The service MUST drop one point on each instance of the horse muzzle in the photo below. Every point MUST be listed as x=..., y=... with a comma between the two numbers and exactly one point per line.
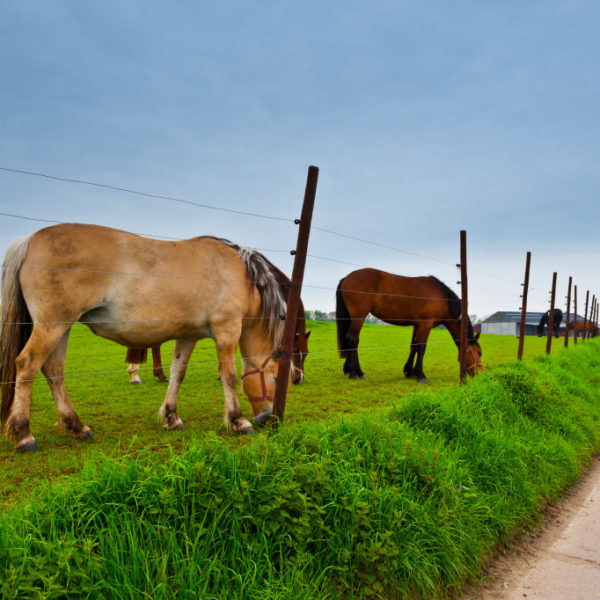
x=263, y=418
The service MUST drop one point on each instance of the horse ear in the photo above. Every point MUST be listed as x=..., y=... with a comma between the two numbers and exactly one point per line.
x=307, y=335
x=477, y=335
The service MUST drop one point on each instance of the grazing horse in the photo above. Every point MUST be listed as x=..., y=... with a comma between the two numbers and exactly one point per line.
x=135, y=356
x=578, y=328
x=140, y=292
x=545, y=320
x=423, y=302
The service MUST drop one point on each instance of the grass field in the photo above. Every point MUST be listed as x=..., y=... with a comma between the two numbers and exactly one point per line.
x=381, y=488
x=123, y=417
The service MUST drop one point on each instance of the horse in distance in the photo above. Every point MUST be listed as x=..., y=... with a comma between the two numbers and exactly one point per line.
x=545, y=322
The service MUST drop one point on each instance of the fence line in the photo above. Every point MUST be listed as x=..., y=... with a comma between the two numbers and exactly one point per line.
x=207, y=362
x=268, y=250
x=224, y=209
x=229, y=210
x=144, y=194
x=147, y=235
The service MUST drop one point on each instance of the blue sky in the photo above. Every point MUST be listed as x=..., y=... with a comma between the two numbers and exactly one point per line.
x=424, y=118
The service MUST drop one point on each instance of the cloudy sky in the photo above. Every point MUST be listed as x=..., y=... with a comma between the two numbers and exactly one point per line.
x=424, y=118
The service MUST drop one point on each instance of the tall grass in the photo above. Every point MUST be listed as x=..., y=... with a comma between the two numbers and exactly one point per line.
x=401, y=503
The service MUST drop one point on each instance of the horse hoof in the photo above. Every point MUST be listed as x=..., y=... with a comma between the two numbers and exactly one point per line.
x=86, y=435
x=165, y=380
x=249, y=431
x=135, y=382
x=28, y=447
x=357, y=376
x=422, y=380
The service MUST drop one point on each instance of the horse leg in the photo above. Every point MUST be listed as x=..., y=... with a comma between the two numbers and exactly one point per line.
x=421, y=334
x=134, y=373
x=409, y=371
x=181, y=357
x=157, y=369
x=352, y=364
x=226, y=336
x=54, y=371
x=41, y=343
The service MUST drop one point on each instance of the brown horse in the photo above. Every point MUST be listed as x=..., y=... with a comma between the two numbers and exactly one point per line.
x=139, y=292
x=423, y=302
x=136, y=356
x=580, y=328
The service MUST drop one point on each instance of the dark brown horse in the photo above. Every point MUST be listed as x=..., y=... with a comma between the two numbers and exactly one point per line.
x=136, y=356
x=423, y=302
x=545, y=322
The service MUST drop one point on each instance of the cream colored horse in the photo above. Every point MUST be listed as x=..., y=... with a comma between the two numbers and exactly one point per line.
x=135, y=291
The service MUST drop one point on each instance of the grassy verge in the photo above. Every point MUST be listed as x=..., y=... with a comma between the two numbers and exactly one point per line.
x=400, y=502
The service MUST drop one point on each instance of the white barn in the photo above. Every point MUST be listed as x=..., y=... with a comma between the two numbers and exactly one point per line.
x=507, y=322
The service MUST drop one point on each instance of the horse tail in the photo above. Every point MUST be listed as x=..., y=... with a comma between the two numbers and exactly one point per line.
x=136, y=355
x=273, y=303
x=342, y=320
x=16, y=323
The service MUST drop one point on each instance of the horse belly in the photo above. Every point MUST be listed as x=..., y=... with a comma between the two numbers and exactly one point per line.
x=135, y=329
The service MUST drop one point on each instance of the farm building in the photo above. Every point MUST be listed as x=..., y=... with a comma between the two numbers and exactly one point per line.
x=506, y=322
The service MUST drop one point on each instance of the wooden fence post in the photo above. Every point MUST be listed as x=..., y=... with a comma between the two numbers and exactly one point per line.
x=464, y=313
x=294, y=297
x=551, y=315
x=525, y=285
x=568, y=311
x=585, y=315
x=575, y=316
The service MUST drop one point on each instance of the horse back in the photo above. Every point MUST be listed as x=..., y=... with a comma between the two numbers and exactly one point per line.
x=115, y=281
x=394, y=298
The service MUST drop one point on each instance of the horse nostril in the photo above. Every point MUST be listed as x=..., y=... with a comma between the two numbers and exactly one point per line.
x=262, y=418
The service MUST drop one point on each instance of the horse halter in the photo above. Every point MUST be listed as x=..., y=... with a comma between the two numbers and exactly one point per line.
x=261, y=371
x=477, y=361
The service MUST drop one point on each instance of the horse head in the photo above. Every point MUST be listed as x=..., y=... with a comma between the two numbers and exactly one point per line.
x=299, y=355
x=474, y=364
x=258, y=384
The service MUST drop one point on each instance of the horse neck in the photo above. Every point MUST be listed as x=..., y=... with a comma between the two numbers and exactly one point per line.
x=255, y=344
x=453, y=328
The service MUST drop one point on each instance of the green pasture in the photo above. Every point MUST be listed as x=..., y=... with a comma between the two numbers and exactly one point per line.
x=382, y=488
x=123, y=417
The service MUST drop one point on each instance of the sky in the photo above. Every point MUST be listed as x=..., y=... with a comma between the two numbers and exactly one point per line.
x=424, y=118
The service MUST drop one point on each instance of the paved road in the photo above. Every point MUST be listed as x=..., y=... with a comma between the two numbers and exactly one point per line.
x=563, y=563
